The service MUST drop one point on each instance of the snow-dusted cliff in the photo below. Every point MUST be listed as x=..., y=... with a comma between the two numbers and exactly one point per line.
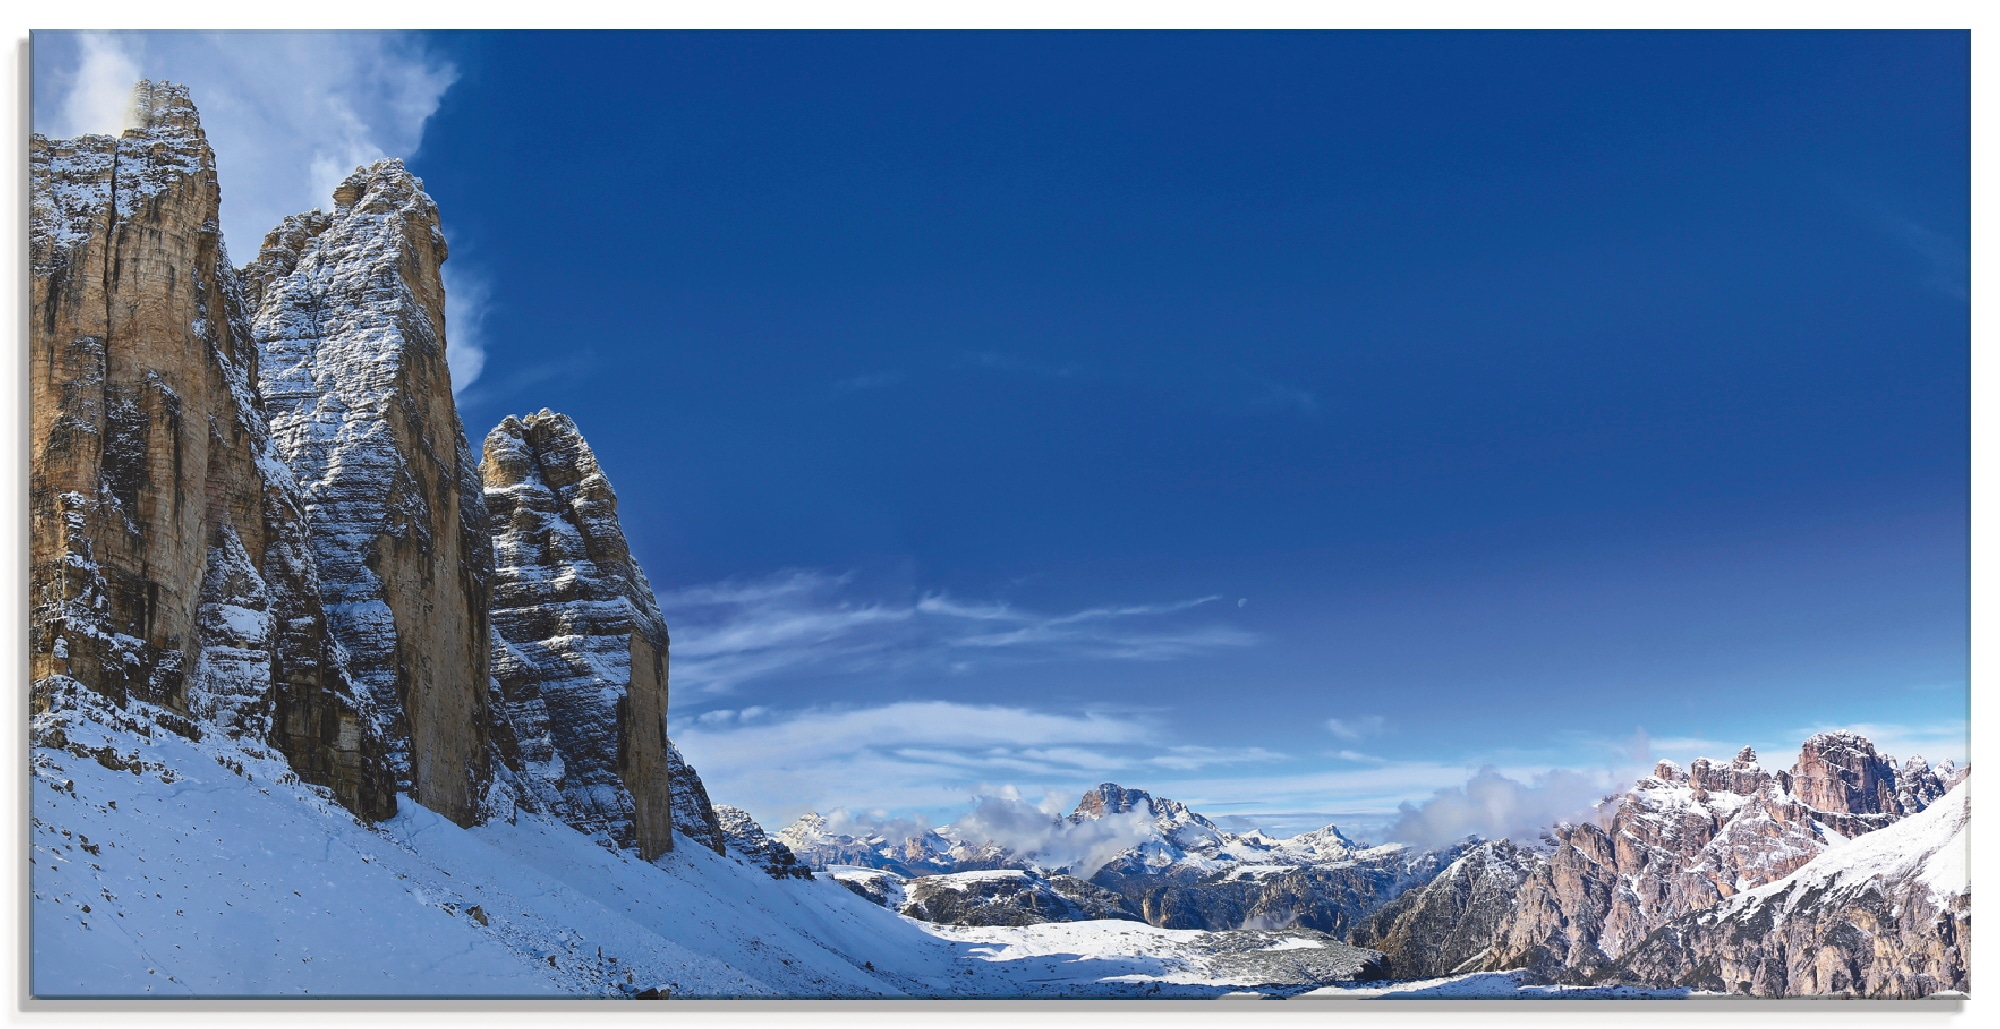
x=579, y=646
x=350, y=326
x=1681, y=841
x=169, y=547
x=1887, y=915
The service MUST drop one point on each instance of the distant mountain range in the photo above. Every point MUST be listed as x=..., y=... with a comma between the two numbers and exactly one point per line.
x=324, y=700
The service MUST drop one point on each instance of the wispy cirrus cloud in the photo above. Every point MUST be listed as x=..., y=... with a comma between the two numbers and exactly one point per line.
x=931, y=754
x=1947, y=262
x=726, y=634
x=869, y=381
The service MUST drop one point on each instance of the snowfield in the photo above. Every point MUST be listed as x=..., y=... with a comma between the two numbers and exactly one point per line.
x=1487, y=986
x=163, y=866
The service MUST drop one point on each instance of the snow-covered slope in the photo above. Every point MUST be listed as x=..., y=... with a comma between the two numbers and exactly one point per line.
x=1886, y=915
x=169, y=866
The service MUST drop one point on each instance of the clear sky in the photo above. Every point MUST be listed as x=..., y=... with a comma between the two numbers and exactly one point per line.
x=1289, y=423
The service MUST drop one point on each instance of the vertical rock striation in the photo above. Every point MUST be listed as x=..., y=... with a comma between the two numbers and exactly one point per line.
x=168, y=555
x=1683, y=841
x=350, y=330
x=1888, y=915
x=580, y=648
x=1449, y=924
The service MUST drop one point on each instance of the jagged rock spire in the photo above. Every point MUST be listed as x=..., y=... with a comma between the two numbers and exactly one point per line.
x=580, y=648
x=169, y=555
x=350, y=327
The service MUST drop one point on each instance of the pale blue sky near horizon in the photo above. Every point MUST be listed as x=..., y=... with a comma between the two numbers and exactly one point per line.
x=1283, y=422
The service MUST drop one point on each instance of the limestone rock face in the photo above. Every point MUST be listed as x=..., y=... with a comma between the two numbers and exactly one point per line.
x=169, y=548
x=1887, y=915
x=1840, y=771
x=1452, y=922
x=747, y=838
x=580, y=648
x=1682, y=842
x=349, y=327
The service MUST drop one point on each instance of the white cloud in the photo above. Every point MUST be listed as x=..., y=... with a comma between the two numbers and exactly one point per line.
x=1493, y=805
x=466, y=296
x=913, y=754
x=726, y=634
x=99, y=97
x=289, y=113
x=1356, y=728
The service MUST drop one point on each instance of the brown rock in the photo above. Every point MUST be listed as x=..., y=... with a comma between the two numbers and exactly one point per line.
x=167, y=548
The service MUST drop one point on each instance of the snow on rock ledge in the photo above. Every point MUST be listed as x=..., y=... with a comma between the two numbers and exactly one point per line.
x=580, y=648
x=350, y=328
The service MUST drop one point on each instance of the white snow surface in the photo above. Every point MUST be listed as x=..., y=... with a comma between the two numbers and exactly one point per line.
x=1512, y=985
x=1929, y=847
x=209, y=870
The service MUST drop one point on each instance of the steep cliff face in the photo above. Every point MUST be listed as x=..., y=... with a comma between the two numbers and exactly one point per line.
x=349, y=326
x=1888, y=915
x=1452, y=922
x=580, y=648
x=1684, y=841
x=169, y=547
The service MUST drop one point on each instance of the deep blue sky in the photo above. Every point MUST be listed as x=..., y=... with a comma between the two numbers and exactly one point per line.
x=1513, y=392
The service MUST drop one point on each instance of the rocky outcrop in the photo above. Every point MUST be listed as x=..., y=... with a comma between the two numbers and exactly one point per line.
x=1009, y=897
x=350, y=330
x=1451, y=923
x=1685, y=841
x=169, y=548
x=747, y=839
x=1888, y=915
x=580, y=648
x=1840, y=771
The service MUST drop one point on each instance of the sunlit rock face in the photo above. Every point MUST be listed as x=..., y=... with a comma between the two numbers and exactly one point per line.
x=580, y=648
x=170, y=560
x=1887, y=915
x=1680, y=842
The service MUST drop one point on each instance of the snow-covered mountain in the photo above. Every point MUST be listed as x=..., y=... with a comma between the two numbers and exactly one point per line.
x=322, y=704
x=1887, y=915
x=1161, y=861
x=1569, y=906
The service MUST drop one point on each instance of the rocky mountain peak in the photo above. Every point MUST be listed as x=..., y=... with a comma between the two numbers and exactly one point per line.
x=1111, y=799
x=1842, y=772
x=163, y=107
x=171, y=557
x=580, y=649
x=351, y=333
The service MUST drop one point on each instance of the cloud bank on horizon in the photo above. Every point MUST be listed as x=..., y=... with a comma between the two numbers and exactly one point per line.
x=290, y=114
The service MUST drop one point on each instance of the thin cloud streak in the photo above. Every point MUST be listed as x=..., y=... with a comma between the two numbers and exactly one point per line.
x=730, y=633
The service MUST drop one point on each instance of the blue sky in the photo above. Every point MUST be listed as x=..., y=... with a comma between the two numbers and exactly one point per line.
x=1290, y=423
